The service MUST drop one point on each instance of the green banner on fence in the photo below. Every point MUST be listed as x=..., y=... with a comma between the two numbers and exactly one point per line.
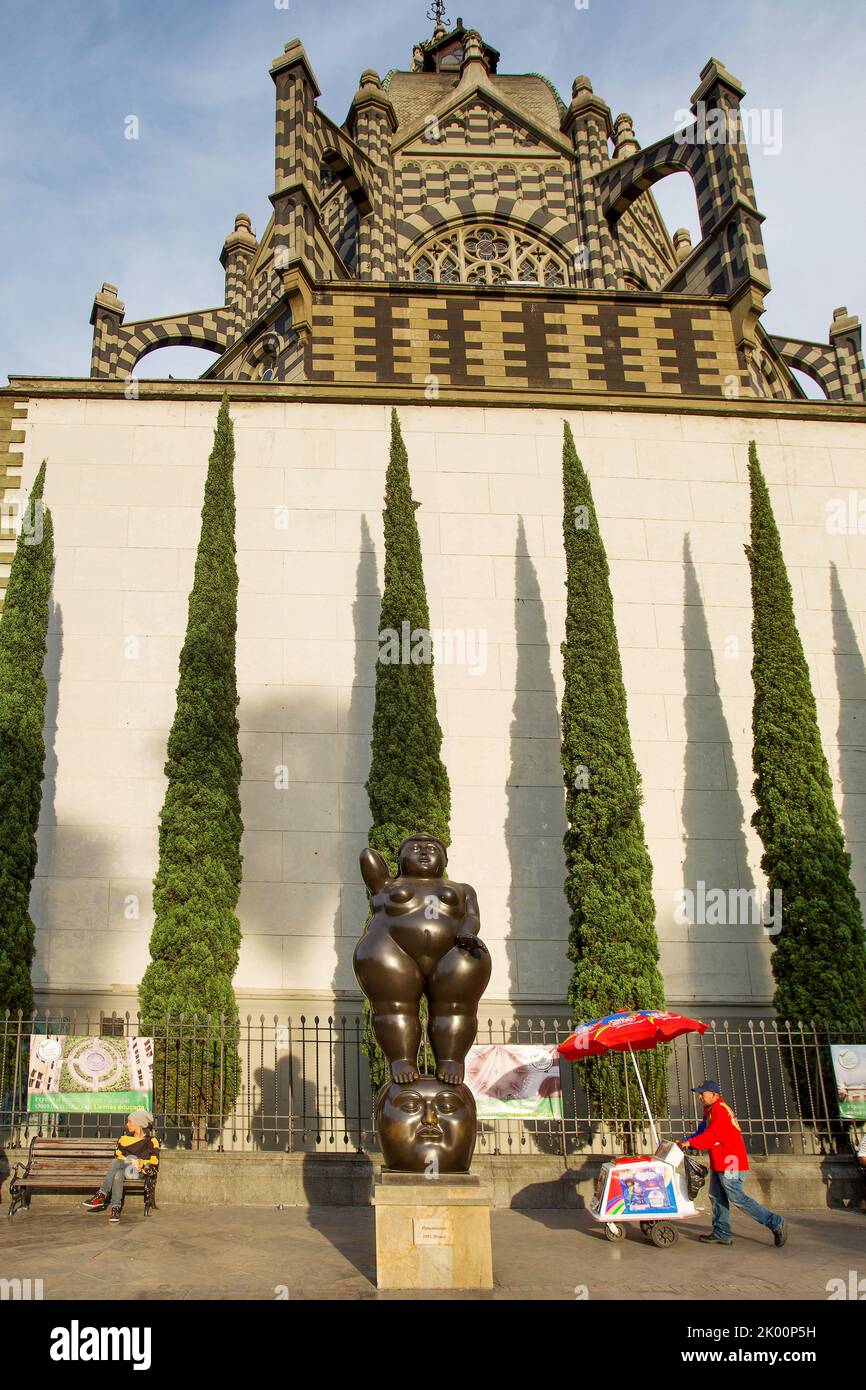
x=849, y=1064
x=70, y=1073
x=90, y=1103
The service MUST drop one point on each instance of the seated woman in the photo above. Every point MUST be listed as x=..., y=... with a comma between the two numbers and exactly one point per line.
x=136, y=1151
x=422, y=939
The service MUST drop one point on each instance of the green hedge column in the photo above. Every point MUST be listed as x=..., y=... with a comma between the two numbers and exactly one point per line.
x=408, y=786
x=609, y=874
x=196, y=936
x=819, y=960
x=23, y=629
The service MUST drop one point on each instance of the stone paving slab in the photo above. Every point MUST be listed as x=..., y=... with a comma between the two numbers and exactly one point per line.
x=327, y=1253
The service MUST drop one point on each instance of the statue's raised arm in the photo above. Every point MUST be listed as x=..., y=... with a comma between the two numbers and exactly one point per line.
x=374, y=870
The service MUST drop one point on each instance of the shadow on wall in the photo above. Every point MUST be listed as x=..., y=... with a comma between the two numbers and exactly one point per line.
x=851, y=729
x=281, y=1090
x=81, y=925
x=713, y=815
x=535, y=824
x=51, y=670
x=73, y=854
x=48, y=809
x=351, y=912
x=844, y=1184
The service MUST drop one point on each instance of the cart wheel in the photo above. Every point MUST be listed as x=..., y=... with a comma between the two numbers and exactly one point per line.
x=613, y=1231
x=662, y=1234
x=646, y=1228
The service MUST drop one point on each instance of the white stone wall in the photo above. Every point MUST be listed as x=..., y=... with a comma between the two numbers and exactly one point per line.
x=125, y=483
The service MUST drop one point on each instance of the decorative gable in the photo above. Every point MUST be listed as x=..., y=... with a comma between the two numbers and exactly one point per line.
x=478, y=121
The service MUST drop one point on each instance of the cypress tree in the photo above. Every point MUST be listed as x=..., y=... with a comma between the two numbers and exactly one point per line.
x=819, y=960
x=608, y=882
x=23, y=629
x=196, y=935
x=407, y=787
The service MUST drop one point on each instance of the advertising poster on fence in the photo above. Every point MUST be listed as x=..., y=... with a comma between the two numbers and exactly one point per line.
x=515, y=1081
x=89, y=1075
x=849, y=1064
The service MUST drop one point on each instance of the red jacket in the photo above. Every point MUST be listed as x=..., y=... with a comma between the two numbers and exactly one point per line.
x=722, y=1137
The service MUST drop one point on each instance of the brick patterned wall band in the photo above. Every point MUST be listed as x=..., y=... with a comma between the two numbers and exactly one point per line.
x=538, y=343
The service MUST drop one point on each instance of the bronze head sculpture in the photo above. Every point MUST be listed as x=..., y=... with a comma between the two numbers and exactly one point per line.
x=421, y=941
x=426, y=1126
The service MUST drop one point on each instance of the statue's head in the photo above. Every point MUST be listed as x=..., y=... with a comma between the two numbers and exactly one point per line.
x=425, y=1126
x=422, y=856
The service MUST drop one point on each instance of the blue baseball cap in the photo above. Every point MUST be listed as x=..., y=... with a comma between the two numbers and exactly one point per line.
x=708, y=1085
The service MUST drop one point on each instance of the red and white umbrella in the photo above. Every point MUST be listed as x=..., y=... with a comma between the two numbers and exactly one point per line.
x=637, y=1031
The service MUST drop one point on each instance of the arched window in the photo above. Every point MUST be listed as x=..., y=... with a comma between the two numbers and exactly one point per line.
x=486, y=254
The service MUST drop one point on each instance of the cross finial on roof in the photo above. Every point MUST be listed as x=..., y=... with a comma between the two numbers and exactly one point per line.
x=436, y=12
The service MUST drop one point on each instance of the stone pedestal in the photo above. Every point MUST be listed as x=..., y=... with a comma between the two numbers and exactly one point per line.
x=432, y=1233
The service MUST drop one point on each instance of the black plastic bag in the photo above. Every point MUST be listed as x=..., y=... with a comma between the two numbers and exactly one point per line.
x=696, y=1175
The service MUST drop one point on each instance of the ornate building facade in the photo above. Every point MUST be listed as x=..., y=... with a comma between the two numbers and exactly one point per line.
x=488, y=258
x=452, y=174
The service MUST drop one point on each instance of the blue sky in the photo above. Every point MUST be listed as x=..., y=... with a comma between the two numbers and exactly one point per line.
x=82, y=204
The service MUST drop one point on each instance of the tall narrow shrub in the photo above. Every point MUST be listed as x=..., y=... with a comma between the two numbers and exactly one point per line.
x=608, y=881
x=408, y=787
x=819, y=961
x=196, y=935
x=23, y=629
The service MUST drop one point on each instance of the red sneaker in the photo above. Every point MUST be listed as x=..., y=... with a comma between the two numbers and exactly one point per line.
x=98, y=1202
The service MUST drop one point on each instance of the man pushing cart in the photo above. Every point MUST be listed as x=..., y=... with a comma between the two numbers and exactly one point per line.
x=656, y=1190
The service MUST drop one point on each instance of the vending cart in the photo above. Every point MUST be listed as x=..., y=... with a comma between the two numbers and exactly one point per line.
x=652, y=1191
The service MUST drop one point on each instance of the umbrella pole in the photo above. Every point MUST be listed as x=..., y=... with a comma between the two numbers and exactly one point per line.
x=653, y=1129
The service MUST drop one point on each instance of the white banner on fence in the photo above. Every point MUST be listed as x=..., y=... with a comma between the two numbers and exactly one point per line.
x=515, y=1081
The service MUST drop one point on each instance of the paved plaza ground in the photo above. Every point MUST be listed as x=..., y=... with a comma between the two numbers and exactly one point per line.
x=328, y=1253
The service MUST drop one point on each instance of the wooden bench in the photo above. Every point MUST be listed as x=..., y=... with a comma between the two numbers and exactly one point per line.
x=71, y=1165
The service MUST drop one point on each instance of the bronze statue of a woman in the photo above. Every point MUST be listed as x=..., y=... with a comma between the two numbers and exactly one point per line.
x=422, y=939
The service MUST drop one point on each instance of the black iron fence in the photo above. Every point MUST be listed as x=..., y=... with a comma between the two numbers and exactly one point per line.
x=303, y=1085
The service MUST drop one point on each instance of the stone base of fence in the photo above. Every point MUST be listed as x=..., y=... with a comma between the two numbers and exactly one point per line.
x=532, y=1181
